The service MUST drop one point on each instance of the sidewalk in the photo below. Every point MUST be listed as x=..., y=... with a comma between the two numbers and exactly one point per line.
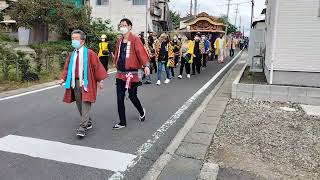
x=187, y=161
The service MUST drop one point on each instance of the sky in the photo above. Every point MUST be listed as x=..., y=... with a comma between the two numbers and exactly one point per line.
x=219, y=7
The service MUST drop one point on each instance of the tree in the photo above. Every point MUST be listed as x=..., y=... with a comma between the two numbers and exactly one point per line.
x=38, y=15
x=175, y=16
x=1, y=16
x=231, y=27
x=99, y=26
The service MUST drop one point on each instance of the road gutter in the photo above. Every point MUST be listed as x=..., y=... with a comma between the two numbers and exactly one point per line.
x=168, y=154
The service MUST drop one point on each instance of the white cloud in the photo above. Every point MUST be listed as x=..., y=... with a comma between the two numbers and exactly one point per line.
x=219, y=7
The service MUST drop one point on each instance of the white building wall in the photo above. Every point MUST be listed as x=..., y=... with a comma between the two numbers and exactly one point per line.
x=298, y=39
x=118, y=9
x=257, y=41
x=270, y=22
x=296, y=42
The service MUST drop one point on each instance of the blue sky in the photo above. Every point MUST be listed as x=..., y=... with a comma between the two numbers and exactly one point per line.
x=219, y=7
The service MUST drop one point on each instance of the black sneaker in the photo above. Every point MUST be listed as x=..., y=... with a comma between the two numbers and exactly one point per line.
x=81, y=132
x=148, y=82
x=89, y=126
x=118, y=126
x=143, y=118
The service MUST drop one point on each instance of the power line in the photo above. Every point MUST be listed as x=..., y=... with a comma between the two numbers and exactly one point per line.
x=237, y=10
x=228, y=17
x=252, y=8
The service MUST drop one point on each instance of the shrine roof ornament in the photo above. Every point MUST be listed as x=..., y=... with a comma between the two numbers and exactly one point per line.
x=204, y=17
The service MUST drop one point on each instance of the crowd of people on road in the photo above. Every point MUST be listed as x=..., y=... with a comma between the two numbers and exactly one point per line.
x=85, y=71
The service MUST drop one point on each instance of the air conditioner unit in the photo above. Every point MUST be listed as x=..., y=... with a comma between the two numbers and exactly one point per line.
x=156, y=11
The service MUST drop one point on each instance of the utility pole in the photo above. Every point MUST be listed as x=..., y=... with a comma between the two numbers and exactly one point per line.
x=191, y=7
x=147, y=12
x=240, y=23
x=252, y=8
x=243, y=31
x=235, y=22
x=227, y=17
x=195, y=7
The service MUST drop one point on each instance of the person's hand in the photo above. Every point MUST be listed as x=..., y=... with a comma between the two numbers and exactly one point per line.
x=100, y=85
x=61, y=82
x=147, y=71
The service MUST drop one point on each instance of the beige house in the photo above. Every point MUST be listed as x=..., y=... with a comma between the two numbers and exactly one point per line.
x=293, y=42
x=146, y=15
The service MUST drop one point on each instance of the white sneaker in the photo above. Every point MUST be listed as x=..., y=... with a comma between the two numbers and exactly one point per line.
x=180, y=76
x=143, y=118
x=188, y=76
x=158, y=82
x=167, y=81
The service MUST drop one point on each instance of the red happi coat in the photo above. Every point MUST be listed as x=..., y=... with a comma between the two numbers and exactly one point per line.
x=96, y=73
x=136, y=58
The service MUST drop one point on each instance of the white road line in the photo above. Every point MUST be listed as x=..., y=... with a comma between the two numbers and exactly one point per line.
x=57, y=151
x=162, y=130
x=35, y=91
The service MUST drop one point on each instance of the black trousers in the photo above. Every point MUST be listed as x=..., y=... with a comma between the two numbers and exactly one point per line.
x=184, y=64
x=205, y=60
x=231, y=52
x=172, y=71
x=153, y=64
x=196, y=65
x=121, y=92
x=104, y=61
x=176, y=59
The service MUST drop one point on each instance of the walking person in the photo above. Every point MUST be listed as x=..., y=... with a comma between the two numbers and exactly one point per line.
x=153, y=63
x=232, y=45
x=145, y=77
x=196, y=65
x=246, y=43
x=186, y=58
x=104, y=52
x=130, y=55
x=206, y=50
x=162, y=56
x=220, y=45
x=83, y=74
x=176, y=49
x=241, y=43
x=171, y=57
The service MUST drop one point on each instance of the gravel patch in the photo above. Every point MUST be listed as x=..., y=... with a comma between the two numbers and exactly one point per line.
x=261, y=138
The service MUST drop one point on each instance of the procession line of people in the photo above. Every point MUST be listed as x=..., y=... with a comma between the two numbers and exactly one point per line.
x=84, y=70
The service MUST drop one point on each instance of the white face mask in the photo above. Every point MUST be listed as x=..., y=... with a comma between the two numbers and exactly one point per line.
x=124, y=30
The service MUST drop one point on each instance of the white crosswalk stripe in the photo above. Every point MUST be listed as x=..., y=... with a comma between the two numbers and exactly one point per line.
x=57, y=151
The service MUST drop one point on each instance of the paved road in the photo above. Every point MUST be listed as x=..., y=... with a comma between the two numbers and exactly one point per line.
x=38, y=142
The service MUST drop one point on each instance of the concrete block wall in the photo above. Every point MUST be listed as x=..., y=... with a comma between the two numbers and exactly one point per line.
x=303, y=95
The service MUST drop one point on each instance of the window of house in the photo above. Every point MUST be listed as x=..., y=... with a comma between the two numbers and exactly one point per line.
x=102, y=2
x=139, y=2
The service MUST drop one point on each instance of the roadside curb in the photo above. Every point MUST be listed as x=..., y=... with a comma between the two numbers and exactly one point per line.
x=36, y=88
x=178, y=148
x=28, y=89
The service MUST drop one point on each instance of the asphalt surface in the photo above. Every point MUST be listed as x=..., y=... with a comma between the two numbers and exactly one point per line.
x=44, y=116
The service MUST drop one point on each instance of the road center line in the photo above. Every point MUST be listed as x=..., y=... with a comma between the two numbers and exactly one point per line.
x=162, y=130
x=35, y=91
x=57, y=151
